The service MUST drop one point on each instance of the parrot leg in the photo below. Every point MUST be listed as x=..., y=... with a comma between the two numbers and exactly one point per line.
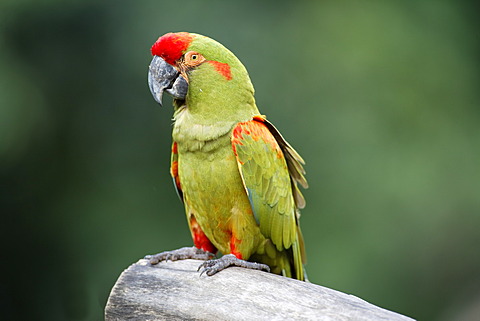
x=180, y=254
x=213, y=266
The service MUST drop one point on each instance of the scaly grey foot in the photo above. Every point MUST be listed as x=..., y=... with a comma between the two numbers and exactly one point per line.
x=180, y=254
x=213, y=266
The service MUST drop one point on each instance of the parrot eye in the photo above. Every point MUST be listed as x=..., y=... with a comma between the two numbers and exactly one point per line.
x=192, y=59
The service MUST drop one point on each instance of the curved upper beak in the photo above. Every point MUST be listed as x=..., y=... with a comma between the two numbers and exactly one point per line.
x=164, y=77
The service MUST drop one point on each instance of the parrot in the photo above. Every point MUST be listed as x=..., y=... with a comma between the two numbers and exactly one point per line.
x=232, y=169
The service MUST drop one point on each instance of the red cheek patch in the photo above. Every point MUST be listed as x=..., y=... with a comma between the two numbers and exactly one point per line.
x=222, y=68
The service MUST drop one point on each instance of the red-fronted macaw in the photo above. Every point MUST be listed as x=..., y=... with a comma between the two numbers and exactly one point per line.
x=235, y=173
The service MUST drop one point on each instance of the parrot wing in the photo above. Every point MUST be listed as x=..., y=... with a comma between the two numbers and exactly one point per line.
x=294, y=162
x=174, y=171
x=270, y=169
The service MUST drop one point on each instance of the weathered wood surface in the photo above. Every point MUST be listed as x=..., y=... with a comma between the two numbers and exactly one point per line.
x=176, y=291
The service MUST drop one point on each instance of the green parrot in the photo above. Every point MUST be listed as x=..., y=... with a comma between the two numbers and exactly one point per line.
x=233, y=170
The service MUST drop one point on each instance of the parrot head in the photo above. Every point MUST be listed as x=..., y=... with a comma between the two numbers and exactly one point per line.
x=195, y=67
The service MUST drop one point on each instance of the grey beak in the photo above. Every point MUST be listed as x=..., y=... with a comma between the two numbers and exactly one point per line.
x=164, y=77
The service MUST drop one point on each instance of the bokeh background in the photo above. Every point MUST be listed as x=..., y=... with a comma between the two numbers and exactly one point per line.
x=381, y=98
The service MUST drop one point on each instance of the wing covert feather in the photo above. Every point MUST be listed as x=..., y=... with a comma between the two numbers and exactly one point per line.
x=270, y=169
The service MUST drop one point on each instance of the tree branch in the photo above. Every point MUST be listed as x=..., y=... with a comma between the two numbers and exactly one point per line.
x=176, y=291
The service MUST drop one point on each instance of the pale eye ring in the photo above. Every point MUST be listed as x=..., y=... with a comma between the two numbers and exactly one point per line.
x=193, y=59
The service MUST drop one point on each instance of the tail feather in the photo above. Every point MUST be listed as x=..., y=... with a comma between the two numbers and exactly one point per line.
x=298, y=260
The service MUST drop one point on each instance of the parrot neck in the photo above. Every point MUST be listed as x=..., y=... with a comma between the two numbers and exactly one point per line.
x=213, y=106
x=210, y=106
x=195, y=131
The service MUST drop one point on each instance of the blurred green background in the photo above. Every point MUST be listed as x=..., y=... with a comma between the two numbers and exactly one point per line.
x=381, y=98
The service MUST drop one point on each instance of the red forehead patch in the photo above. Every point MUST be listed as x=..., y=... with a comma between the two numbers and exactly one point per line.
x=172, y=46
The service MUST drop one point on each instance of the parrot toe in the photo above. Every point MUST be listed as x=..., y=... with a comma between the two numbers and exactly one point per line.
x=179, y=254
x=211, y=267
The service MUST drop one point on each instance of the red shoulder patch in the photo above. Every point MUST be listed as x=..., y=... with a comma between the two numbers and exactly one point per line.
x=256, y=129
x=172, y=46
x=222, y=68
